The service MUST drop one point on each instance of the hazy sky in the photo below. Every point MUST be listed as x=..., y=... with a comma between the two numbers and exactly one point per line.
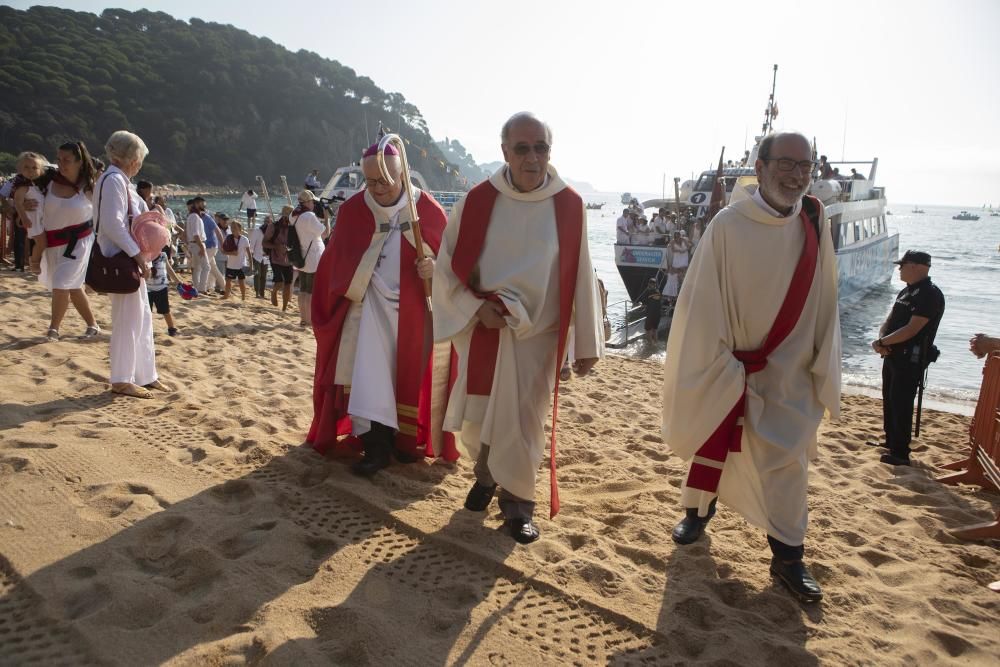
x=635, y=90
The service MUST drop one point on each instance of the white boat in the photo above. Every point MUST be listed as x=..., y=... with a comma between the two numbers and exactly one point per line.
x=350, y=180
x=856, y=209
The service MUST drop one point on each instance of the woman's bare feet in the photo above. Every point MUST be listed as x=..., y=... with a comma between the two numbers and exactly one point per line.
x=129, y=389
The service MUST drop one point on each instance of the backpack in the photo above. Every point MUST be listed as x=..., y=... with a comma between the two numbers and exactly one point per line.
x=294, y=248
x=230, y=245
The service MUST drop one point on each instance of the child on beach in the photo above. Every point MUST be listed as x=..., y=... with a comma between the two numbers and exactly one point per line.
x=30, y=167
x=236, y=248
x=158, y=287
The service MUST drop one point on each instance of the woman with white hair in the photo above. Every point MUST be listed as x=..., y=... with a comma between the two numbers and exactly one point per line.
x=116, y=202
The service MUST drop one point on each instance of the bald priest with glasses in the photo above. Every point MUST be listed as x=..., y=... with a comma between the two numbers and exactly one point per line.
x=753, y=359
x=513, y=274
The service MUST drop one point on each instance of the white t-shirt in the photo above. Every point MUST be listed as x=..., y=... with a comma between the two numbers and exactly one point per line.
x=195, y=228
x=33, y=223
x=238, y=261
x=621, y=227
x=257, y=244
x=310, y=231
x=249, y=202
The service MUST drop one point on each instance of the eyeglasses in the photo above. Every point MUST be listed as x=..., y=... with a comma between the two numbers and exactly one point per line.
x=787, y=164
x=379, y=182
x=540, y=148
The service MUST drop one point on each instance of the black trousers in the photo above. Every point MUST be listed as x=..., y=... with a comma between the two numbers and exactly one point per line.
x=900, y=378
x=20, y=246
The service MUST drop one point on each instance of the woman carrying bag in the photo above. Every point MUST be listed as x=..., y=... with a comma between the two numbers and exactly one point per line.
x=133, y=360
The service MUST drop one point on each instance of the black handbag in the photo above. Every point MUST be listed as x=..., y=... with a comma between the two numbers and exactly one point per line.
x=118, y=274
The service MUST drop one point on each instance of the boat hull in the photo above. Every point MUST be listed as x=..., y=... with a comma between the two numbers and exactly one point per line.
x=862, y=266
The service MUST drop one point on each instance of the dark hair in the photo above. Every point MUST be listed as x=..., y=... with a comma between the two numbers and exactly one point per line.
x=143, y=185
x=250, y=192
x=79, y=151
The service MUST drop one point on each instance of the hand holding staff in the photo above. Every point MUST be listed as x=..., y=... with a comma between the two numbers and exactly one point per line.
x=408, y=186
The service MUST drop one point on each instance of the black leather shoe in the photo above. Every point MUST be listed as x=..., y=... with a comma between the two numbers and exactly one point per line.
x=479, y=497
x=523, y=531
x=692, y=526
x=405, y=457
x=894, y=460
x=370, y=464
x=797, y=580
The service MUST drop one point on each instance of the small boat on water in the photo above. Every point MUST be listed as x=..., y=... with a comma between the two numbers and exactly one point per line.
x=855, y=207
x=918, y=211
x=965, y=215
x=595, y=206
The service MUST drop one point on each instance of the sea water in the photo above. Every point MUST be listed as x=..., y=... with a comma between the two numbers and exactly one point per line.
x=965, y=265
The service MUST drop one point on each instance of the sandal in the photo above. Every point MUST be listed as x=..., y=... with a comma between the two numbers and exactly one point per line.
x=92, y=331
x=159, y=386
x=129, y=389
x=52, y=334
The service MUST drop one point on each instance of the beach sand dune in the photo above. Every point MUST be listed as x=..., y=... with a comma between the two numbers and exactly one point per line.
x=194, y=529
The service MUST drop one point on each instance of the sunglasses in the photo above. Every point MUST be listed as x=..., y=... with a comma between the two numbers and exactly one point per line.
x=787, y=164
x=540, y=148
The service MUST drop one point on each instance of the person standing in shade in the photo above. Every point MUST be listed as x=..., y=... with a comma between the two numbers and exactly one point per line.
x=905, y=342
x=753, y=359
x=275, y=243
x=514, y=272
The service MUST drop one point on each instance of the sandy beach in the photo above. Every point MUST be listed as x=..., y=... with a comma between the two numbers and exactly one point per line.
x=193, y=529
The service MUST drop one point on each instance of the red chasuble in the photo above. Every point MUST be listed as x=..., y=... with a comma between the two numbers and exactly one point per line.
x=709, y=460
x=351, y=238
x=485, y=342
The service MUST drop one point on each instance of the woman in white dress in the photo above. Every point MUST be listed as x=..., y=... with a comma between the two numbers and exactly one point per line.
x=133, y=360
x=66, y=221
x=679, y=256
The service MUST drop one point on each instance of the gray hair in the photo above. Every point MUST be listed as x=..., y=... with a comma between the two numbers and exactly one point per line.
x=764, y=150
x=123, y=146
x=520, y=116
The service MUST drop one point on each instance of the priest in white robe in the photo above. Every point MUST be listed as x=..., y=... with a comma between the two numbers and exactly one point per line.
x=514, y=272
x=749, y=279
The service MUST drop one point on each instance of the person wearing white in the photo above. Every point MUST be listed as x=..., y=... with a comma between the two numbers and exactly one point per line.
x=735, y=286
x=211, y=224
x=249, y=203
x=503, y=432
x=194, y=231
x=622, y=229
x=133, y=360
x=237, y=259
x=65, y=217
x=259, y=258
x=310, y=230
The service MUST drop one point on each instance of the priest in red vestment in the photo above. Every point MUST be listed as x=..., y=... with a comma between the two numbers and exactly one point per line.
x=374, y=340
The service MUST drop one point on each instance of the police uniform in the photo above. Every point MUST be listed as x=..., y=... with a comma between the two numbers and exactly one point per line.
x=904, y=365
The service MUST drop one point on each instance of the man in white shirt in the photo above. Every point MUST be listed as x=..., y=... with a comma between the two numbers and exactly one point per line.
x=312, y=180
x=194, y=231
x=310, y=230
x=621, y=226
x=259, y=257
x=249, y=202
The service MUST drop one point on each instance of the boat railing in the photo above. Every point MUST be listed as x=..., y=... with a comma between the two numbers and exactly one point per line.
x=622, y=337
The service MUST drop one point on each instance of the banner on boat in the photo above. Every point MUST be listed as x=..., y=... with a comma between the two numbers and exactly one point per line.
x=648, y=256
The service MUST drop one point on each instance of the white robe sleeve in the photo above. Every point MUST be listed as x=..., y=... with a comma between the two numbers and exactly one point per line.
x=826, y=366
x=454, y=305
x=703, y=384
x=588, y=320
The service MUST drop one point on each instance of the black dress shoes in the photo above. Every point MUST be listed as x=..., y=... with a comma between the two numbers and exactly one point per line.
x=479, y=497
x=372, y=461
x=894, y=460
x=405, y=457
x=523, y=531
x=797, y=580
x=692, y=526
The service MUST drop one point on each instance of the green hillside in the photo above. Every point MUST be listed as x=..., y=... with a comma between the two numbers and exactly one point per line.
x=214, y=104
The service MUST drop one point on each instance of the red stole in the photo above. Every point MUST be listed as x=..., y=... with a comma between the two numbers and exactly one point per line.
x=708, y=462
x=485, y=342
x=351, y=237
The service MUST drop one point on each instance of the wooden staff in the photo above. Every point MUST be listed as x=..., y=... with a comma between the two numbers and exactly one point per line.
x=288, y=195
x=408, y=186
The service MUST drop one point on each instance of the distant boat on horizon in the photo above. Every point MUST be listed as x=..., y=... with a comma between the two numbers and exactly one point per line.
x=917, y=210
x=965, y=215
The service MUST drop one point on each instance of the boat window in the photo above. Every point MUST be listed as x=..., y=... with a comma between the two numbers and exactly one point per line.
x=867, y=227
x=705, y=182
x=857, y=230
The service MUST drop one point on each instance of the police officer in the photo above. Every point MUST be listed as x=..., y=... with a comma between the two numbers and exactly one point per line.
x=905, y=342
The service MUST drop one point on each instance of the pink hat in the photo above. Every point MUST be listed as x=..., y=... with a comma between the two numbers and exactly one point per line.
x=372, y=150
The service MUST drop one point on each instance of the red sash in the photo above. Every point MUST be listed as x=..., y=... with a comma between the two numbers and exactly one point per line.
x=706, y=468
x=485, y=342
